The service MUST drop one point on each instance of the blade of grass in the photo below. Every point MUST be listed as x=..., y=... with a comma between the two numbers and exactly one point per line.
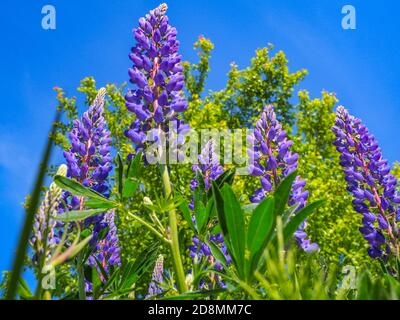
x=30, y=214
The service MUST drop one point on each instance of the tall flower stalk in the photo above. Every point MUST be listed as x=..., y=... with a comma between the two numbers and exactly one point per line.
x=89, y=162
x=272, y=161
x=371, y=183
x=157, y=100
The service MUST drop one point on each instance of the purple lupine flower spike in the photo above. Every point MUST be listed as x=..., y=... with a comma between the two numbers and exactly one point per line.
x=369, y=180
x=272, y=161
x=89, y=162
x=156, y=278
x=157, y=74
x=108, y=251
x=211, y=169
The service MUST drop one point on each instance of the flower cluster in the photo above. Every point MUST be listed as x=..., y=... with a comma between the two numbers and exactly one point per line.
x=272, y=160
x=108, y=251
x=369, y=180
x=157, y=74
x=89, y=159
x=89, y=162
x=156, y=278
x=210, y=169
x=43, y=237
x=208, y=165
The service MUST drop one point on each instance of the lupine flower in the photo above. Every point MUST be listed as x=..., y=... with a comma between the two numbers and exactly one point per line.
x=211, y=169
x=89, y=162
x=272, y=161
x=208, y=165
x=108, y=250
x=44, y=225
x=369, y=180
x=156, y=278
x=157, y=98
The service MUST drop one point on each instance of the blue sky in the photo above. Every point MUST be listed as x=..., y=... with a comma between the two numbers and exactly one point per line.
x=94, y=38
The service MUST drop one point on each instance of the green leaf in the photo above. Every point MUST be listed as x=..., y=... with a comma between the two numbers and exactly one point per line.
x=216, y=252
x=77, y=215
x=77, y=189
x=236, y=226
x=187, y=215
x=282, y=193
x=219, y=201
x=135, y=166
x=120, y=173
x=226, y=177
x=132, y=271
x=23, y=290
x=290, y=212
x=200, y=212
x=261, y=226
x=296, y=221
x=96, y=282
x=100, y=204
x=130, y=187
x=111, y=280
x=249, y=208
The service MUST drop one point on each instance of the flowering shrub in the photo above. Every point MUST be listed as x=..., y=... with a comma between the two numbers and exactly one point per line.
x=138, y=212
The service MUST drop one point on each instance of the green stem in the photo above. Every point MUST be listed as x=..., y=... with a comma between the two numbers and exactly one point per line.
x=173, y=224
x=151, y=228
x=81, y=278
